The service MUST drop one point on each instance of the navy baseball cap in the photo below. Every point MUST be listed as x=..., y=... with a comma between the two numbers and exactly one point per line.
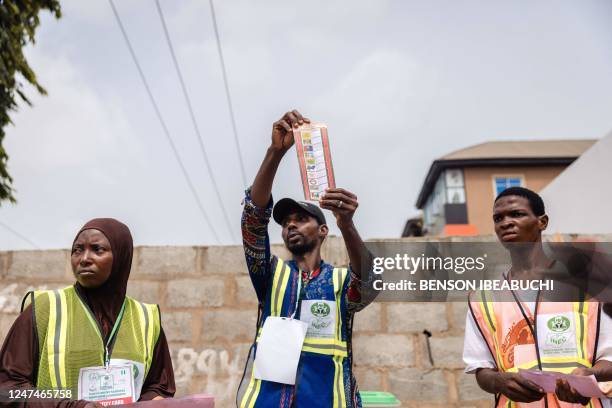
x=288, y=205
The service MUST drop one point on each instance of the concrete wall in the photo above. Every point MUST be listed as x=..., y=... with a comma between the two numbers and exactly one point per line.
x=479, y=182
x=209, y=310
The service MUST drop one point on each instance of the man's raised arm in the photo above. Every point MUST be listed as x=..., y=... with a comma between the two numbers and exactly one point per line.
x=282, y=140
x=258, y=203
x=343, y=204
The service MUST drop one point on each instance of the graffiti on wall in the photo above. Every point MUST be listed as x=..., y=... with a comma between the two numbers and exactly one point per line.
x=220, y=372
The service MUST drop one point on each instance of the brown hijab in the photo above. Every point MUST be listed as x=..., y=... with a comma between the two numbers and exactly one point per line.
x=105, y=301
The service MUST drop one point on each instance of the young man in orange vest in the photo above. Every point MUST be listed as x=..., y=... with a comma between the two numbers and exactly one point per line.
x=499, y=336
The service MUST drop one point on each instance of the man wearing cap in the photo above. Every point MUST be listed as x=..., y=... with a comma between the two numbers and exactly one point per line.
x=305, y=286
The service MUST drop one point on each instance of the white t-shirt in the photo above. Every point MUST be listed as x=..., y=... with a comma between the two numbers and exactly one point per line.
x=476, y=353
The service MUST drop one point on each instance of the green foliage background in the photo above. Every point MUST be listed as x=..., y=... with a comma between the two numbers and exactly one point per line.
x=18, y=22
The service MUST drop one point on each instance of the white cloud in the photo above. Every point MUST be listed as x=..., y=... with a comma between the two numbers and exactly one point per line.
x=72, y=127
x=387, y=94
x=398, y=83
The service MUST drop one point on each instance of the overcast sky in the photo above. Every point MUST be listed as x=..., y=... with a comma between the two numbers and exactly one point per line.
x=399, y=83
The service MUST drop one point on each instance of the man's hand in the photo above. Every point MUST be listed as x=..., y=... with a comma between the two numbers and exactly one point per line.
x=92, y=404
x=341, y=203
x=282, y=140
x=282, y=130
x=566, y=393
x=518, y=389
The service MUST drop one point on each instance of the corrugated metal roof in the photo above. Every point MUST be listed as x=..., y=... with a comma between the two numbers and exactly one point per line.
x=522, y=149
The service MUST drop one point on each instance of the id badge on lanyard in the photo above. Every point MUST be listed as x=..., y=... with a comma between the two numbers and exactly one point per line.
x=280, y=346
x=111, y=384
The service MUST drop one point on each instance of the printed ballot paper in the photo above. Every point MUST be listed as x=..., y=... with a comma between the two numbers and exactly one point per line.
x=312, y=146
x=586, y=385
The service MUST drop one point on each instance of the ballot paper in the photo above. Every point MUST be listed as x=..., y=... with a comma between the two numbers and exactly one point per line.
x=585, y=385
x=606, y=388
x=312, y=146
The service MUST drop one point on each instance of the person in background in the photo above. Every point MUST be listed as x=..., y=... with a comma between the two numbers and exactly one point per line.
x=90, y=324
x=501, y=337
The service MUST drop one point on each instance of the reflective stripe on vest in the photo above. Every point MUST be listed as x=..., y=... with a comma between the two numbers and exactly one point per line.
x=495, y=321
x=485, y=306
x=339, y=394
x=320, y=345
x=279, y=287
x=334, y=347
x=64, y=348
x=251, y=393
x=56, y=338
x=325, y=345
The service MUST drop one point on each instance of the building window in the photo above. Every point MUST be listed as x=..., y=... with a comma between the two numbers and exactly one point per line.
x=504, y=182
x=455, y=191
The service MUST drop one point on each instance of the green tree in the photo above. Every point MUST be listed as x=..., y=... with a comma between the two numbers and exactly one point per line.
x=18, y=22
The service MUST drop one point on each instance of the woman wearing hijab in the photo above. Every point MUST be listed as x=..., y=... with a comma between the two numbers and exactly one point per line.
x=91, y=338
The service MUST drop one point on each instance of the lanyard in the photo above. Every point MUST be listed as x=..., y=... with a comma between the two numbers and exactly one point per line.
x=313, y=275
x=533, y=328
x=113, y=333
x=299, y=292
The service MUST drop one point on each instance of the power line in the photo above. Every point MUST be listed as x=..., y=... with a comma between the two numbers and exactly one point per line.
x=193, y=118
x=227, y=91
x=19, y=235
x=162, y=122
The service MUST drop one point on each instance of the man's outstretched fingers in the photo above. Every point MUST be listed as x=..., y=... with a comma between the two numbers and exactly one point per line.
x=334, y=200
x=529, y=384
x=335, y=197
x=282, y=124
x=298, y=116
x=340, y=190
x=348, y=193
x=566, y=393
x=292, y=119
x=333, y=206
x=520, y=389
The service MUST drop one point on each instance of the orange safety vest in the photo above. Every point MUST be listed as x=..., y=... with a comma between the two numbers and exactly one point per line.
x=568, y=331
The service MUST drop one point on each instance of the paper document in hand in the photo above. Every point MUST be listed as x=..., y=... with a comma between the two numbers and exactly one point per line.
x=585, y=385
x=314, y=156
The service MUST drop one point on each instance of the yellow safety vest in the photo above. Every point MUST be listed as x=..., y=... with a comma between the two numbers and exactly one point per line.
x=69, y=337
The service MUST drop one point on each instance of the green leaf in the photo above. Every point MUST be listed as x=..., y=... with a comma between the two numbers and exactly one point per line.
x=19, y=20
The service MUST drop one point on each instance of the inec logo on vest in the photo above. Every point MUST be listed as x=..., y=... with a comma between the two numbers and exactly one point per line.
x=320, y=309
x=558, y=324
x=559, y=335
